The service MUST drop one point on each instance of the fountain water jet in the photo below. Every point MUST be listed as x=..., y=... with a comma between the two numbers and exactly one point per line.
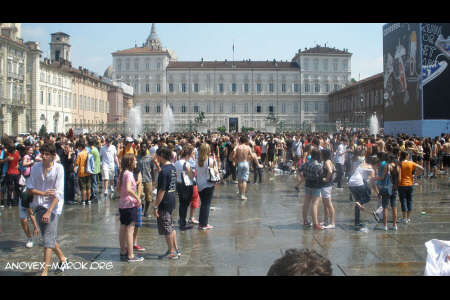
x=168, y=119
x=135, y=121
x=373, y=125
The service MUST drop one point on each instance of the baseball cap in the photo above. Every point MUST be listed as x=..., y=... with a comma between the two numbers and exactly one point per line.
x=129, y=140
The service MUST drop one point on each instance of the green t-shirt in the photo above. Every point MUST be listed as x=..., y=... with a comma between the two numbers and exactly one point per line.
x=96, y=154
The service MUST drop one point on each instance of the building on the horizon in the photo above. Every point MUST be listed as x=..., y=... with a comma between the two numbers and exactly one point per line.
x=15, y=79
x=353, y=105
x=65, y=97
x=233, y=94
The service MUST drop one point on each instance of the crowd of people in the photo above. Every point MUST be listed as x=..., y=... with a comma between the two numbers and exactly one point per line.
x=147, y=173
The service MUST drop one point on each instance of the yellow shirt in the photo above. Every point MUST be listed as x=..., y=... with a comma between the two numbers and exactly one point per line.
x=407, y=169
x=81, y=163
x=129, y=150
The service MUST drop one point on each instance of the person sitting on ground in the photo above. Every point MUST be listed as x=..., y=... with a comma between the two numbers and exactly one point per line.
x=301, y=262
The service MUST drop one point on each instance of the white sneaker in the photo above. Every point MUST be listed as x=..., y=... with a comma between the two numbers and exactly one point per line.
x=29, y=243
x=105, y=193
x=112, y=189
x=408, y=221
x=385, y=228
x=331, y=226
x=394, y=228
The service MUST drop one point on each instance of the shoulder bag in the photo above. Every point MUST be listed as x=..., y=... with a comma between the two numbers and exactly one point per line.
x=186, y=179
x=213, y=176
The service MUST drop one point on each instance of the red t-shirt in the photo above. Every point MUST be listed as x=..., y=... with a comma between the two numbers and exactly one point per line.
x=258, y=151
x=13, y=164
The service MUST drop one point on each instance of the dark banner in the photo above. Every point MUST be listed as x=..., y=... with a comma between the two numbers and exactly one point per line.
x=436, y=70
x=402, y=69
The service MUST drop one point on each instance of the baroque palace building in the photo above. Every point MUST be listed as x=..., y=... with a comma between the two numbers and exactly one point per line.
x=49, y=92
x=233, y=94
x=15, y=80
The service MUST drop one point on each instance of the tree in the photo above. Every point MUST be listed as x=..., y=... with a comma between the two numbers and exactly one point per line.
x=43, y=131
x=222, y=129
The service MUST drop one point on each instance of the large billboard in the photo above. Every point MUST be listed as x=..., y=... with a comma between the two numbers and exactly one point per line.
x=402, y=72
x=436, y=70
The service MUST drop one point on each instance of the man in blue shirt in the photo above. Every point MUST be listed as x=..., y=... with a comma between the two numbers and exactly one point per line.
x=3, y=169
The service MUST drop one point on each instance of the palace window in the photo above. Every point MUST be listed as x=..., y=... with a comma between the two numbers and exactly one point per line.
x=259, y=87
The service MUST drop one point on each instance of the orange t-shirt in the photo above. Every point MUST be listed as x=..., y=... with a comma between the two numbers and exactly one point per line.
x=81, y=163
x=407, y=169
x=129, y=150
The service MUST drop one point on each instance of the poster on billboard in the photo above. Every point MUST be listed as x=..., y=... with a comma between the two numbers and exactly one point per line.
x=436, y=70
x=402, y=71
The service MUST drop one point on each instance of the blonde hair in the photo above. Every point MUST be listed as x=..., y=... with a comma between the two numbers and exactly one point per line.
x=203, y=154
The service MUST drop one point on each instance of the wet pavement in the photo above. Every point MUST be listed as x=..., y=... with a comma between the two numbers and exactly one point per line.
x=247, y=238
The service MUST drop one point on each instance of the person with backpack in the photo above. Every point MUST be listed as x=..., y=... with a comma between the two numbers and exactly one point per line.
x=185, y=184
x=84, y=179
x=387, y=181
x=312, y=172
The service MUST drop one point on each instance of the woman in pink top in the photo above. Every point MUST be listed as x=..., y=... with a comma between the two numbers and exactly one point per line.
x=27, y=161
x=128, y=204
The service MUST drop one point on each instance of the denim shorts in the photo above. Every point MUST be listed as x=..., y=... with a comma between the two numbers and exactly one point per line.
x=386, y=199
x=326, y=192
x=139, y=217
x=48, y=230
x=405, y=194
x=314, y=192
x=243, y=171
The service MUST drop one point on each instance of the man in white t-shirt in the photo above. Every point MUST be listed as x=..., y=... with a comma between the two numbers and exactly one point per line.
x=46, y=184
x=263, y=151
x=108, y=156
x=340, y=161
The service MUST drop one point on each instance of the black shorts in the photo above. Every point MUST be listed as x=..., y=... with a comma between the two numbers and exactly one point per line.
x=263, y=157
x=128, y=215
x=434, y=162
x=270, y=157
x=446, y=160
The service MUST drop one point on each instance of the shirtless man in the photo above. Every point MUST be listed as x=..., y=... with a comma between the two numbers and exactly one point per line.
x=242, y=154
x=446, y=155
